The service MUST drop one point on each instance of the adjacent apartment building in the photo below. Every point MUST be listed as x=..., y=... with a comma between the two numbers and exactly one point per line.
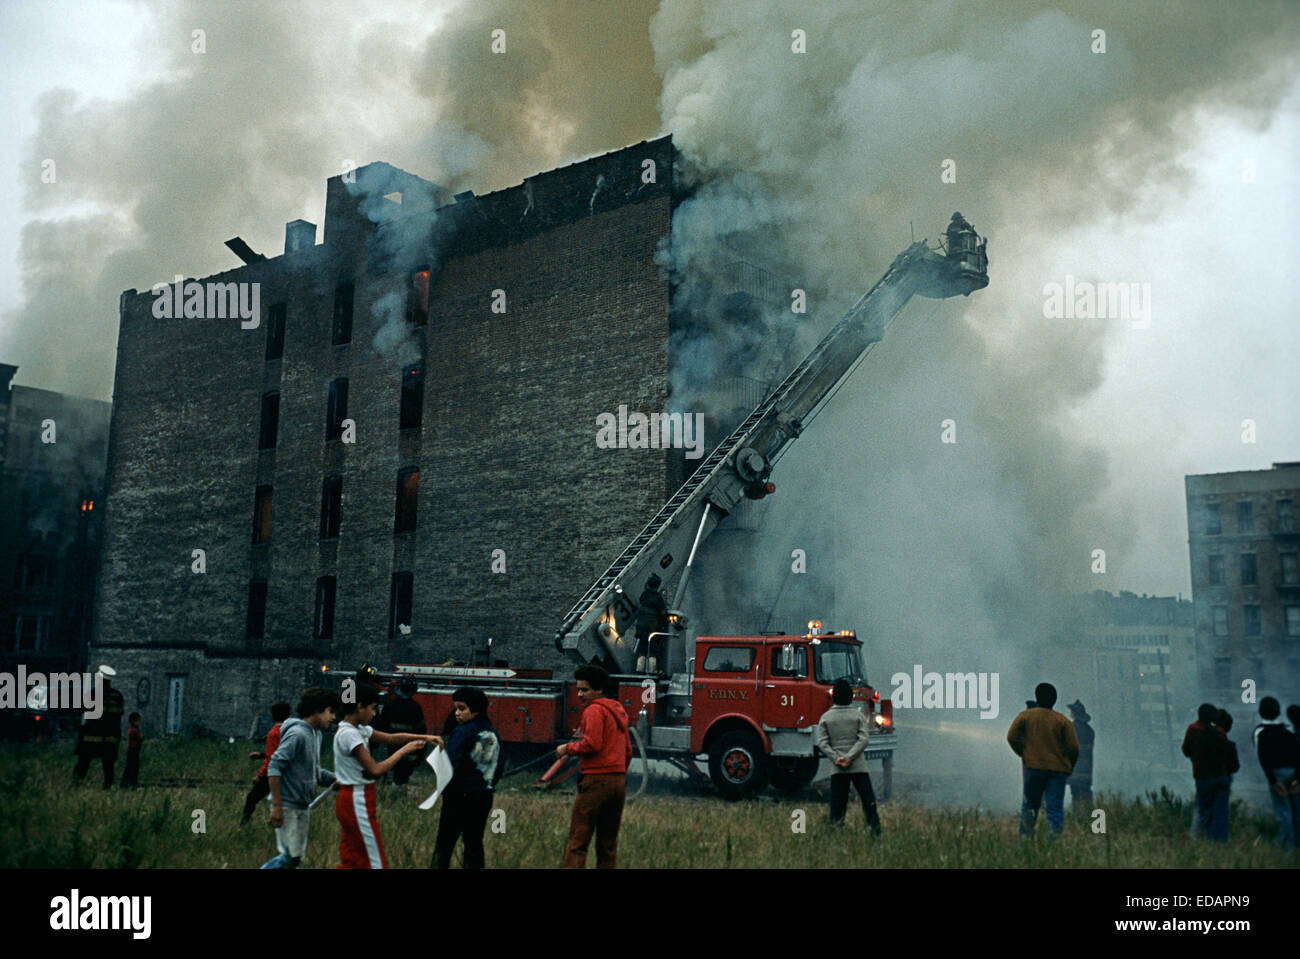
x=53, y=449
x=1244, y=543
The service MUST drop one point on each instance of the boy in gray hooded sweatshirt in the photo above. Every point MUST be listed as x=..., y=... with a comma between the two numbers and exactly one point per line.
x=294, y=773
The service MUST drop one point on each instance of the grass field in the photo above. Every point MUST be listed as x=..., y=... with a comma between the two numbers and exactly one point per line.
x=48, y=822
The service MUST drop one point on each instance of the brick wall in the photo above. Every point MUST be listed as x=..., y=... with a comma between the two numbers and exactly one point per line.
x=506, y=450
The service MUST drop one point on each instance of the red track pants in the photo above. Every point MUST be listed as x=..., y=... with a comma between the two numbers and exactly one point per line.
x=360, y=845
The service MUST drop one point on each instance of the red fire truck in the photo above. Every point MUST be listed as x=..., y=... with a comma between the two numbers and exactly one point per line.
x=746, y=705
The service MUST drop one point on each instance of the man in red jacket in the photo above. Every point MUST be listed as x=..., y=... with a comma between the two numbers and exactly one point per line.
x=604, y=749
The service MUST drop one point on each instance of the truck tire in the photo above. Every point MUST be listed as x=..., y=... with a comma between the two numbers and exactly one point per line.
x=738, y=765
x=791, y=773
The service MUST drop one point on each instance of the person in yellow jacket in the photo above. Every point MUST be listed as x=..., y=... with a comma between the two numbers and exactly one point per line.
x=1045, y=742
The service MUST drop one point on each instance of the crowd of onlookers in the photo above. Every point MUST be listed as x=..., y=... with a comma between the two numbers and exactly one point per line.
x=1215, y=760
x=291, y=772
x=1056, y=752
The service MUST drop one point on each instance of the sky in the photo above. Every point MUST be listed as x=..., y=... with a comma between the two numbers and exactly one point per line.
x=1167, y=159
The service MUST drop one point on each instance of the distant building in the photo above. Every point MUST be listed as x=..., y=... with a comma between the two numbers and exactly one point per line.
x=1244, y=542
x=53, y=449
x=1131, y=660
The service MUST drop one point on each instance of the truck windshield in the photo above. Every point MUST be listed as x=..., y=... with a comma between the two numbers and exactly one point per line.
x=839, y=661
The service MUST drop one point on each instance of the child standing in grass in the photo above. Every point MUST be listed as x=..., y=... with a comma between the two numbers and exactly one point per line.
x=134, y=740
x=605, y=749
x=360, y=845
x=473, y=749
x=279, y=713
x=294, y=773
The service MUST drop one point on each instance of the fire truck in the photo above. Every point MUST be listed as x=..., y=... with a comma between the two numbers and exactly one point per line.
x=747, y=706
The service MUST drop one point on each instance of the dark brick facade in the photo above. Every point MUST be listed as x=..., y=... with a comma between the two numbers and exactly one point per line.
x=505, y=450
x=51, y=494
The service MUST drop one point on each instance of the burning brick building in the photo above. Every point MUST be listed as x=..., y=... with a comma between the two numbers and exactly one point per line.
x=1244, y=543
x=52, y=454
x=398, y=461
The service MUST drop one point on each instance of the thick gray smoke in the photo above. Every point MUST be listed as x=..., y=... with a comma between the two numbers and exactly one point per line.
x=941, y=554
x=816, y=164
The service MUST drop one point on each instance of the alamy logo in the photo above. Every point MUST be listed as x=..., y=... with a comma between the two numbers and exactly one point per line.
x=75, y=912
x=921, y=690
x=193, y=300
x=1085, y=300
x=84, y=691
x=637, y=431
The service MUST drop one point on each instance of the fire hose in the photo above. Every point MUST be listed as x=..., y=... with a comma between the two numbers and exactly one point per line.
x=559, y=763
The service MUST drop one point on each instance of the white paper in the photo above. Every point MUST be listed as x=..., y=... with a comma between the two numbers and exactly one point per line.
x=442, y=773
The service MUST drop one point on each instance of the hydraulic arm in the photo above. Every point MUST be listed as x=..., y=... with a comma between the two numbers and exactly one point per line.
x=600, y=626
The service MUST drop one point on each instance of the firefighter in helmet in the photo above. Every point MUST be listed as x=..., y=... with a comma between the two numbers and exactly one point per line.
x=1080, y=781
x=651, y=617
x=100, y=737
x=402, y=714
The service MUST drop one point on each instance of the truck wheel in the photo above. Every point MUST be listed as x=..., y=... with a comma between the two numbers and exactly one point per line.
x=738, y=765
x=790, y=774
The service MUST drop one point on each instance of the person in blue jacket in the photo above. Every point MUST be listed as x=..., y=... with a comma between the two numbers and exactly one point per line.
x=474, y=751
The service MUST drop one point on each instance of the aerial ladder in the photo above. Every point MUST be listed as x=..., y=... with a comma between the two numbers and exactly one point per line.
x=600, y=628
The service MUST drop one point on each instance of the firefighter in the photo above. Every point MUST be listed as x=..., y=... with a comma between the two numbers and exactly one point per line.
x=402, y=714
x=1080, y=781
x=651, y=617
x=99, y=738
x=958, y=226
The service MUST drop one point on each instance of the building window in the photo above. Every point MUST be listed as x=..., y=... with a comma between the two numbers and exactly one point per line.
x=1293, y=620
x=29, y=632
x=337, y=409
x=399, y=604
x=32, y=573
x=326, y=588
x=408, y=490
x=255, y=627
x=331, y=506
x=1216, y=570
x=1249, y=570
x=343, y=314
x=412, y=397
x=1222, y=671
x=275, y=332
x=1220, y=620
x=1285, y=517
x=1250, y=614
x=418, y=312
x=262, y=515
x=1290, y=570
x=1246, y=517
x=270, y=421
x=1213, y=521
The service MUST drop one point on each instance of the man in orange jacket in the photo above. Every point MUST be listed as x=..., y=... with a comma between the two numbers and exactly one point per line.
x=604, y=750
x=1045, y=742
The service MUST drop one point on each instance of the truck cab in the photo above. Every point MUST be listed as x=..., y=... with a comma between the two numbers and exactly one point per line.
x=755, y=702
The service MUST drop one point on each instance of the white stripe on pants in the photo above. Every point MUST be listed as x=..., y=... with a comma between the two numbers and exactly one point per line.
x=363, y=824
